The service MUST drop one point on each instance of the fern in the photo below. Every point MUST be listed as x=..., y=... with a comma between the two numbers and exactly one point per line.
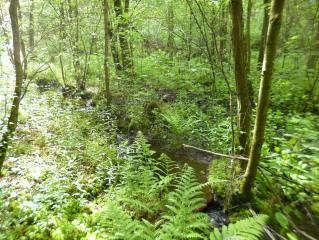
x=177, y=123
x=142, y=153
x=145, y=181
x=116, y=224
x=156, y=191
x=181, y=221
x=246, y=229
x=165, y=166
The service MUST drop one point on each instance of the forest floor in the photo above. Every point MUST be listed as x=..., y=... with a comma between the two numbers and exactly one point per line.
x=31, y=161
x=53, y=184
x=43, y=172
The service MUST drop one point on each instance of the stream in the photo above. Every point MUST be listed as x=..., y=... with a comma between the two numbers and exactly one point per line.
x=200, y=163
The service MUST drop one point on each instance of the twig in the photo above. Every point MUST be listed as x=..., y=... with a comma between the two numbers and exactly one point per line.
x=301, y=232
x=39, y=70
x=270, y=235
x=215, y=154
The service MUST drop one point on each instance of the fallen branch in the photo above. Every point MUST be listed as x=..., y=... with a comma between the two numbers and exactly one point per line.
x=215, y=154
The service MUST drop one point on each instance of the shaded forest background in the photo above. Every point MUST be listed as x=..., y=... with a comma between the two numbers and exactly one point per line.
x=190, y=76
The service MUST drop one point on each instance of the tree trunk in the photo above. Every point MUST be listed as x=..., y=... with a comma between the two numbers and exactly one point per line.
x=248, y=21
x=248, y=52
x=314, y=49
x=106, y=52
x=114, y=49
x=223, y=32
x=22, y=46
x=13, y=118
x=61, y=40
x=77, y=66
x=31, y=26
x=263, y=34
x=122, y=29
x=170, y=29
x=242, y=85
x=189, y=38
x=264, y=95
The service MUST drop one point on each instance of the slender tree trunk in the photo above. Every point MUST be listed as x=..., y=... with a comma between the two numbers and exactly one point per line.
x=31, y=26
x=22, y=46
x=189, y=36
x=248, y=45
x=223, y=33
x=79, y=80
x=62, y=38
x=248, y=52
x=314, y=49
x=127, y=31
x=13, y=118
x=289, y=22
x=263, y=34
x=264, y=95
x=106, y=52
x=170, y=28
x=242, y=85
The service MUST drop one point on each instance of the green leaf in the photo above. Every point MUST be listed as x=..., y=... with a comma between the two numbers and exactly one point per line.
x=282, y=220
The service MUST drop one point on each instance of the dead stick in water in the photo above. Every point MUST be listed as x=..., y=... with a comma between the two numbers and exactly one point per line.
x=214, y=153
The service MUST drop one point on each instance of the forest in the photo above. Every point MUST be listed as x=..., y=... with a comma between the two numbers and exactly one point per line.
x=159, y=119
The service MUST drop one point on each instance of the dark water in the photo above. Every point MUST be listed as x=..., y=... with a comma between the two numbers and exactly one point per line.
x=200, y=163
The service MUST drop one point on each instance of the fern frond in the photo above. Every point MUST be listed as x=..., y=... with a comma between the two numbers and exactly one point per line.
x=165, y=166
x=246, y=229
x=116, y=224
x=180, y=221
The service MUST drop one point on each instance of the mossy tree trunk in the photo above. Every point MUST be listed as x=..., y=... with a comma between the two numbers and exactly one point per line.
x=114, y=49
x=24, y=60
x=14, y=112
x=248, y=30
x=122, y=31
x=263, y=34
x=314, y=49
x=106, y=52
x=242, y=84
x=248, y=52
x=264, y=95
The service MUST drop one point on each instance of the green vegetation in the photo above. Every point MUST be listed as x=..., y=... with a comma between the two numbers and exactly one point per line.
x=138, y=119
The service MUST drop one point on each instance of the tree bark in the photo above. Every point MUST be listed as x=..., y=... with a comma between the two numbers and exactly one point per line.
x=242, y=84
x=314, y=53
x=264, y=95
x=263, y=34
x=22, y=46
x=248, y=52
x=106, y=52
x=13, y=118
x=61, y=40
x=248, y=21
x=122, y=29
x=77, y=66
x=223, y=32
x=31, y=26
x=170, y=29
